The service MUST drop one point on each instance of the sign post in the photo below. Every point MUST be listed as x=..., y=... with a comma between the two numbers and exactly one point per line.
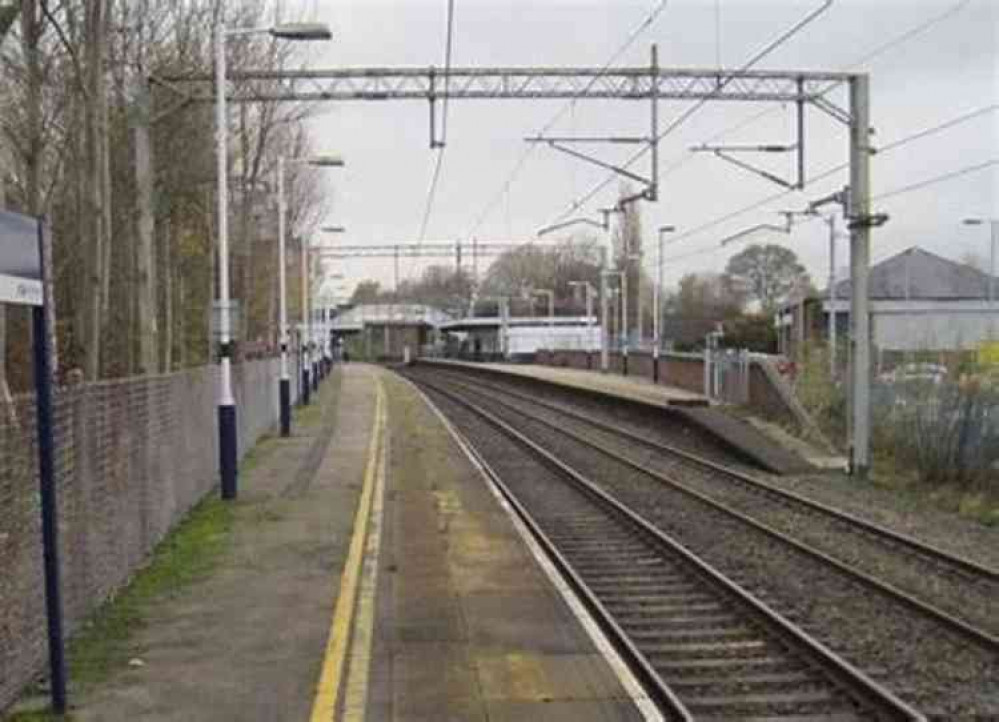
x=22, y=281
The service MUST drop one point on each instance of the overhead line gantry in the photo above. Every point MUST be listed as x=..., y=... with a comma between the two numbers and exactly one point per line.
x=651, y=83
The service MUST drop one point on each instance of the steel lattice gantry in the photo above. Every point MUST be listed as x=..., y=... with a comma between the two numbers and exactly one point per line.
x=650, y=83
x=637, y=83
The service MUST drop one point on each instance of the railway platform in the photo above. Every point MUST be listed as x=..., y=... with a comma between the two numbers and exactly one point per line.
x=386, y=581
x=635, y=388
x=761, y=449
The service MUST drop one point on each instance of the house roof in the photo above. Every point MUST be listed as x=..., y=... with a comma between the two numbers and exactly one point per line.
x=919, y=274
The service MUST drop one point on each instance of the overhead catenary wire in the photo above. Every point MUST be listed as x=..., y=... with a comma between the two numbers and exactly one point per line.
x=899, y=143
x=685, y=115
x=872, y=54
x=902, y=190
x=530, y=149
x=435, y=178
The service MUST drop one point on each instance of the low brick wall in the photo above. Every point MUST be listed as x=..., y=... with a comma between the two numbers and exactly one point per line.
x=133, y=456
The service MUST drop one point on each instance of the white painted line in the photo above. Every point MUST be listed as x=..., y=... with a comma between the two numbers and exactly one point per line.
x=621, y=670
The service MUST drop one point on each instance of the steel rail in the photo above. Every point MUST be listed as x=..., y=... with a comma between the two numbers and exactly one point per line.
x=934, y=553
x=855, y=683
x=651, y=681
x=981, y=637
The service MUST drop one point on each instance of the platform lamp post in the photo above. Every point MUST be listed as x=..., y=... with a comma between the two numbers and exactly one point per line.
x=994, y=225
x=310, y=373
x=551, y=316
x=589, y=291
x=284, y=383
x=657, y=304
x=228, y=452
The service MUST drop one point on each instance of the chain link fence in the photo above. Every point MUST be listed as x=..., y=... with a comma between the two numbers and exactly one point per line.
x=133, y=456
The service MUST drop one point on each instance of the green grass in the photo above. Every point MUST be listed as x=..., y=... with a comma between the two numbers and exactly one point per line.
x=40, y=716
x=187, y=554
x=103, y=644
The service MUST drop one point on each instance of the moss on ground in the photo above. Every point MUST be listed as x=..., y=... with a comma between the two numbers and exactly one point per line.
x=102, y=645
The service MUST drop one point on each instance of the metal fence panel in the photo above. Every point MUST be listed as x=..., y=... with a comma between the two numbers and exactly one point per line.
x=133, y=456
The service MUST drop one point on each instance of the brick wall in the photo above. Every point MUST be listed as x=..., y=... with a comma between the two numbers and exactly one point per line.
x=133, y=455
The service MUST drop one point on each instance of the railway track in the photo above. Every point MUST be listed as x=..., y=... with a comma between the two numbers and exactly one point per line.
x=703, y=646
x=782, y=513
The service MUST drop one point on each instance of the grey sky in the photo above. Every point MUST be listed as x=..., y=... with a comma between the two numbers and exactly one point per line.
x=943, y=73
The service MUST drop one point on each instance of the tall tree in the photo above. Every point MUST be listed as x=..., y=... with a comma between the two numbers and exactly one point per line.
x=367, y=292
x=705, y=296
x=767, y=274
x=544, y=267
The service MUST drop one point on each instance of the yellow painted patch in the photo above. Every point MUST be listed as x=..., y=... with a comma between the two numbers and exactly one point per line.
x=514, y=677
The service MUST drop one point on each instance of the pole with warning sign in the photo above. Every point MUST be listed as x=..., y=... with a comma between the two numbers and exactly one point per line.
x=22, y=282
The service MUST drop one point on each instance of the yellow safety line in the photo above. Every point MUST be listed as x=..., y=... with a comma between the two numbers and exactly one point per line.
x=327, y=691
x=355, y=696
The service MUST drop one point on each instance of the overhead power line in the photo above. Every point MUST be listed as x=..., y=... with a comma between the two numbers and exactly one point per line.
x=435, y=179
x=530, y=149
x=899, y=143
x=683, y=117
x=918, y=185
x=872, y=54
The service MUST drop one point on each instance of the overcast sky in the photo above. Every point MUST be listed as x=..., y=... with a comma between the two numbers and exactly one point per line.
x=943, y=73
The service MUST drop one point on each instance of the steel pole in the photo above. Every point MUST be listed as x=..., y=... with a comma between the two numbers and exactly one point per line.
x=589, y=317
x=624, y=317
x=306, y=338
x=228, y=452
x=551, y=320
x=604, y=316
x=284, y=384
x=48, y=490
x=860, y=251
x=992, y=263
x=657, y=311
x=604, y=323
x=832, y=296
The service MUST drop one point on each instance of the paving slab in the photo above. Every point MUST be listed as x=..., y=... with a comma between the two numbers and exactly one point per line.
x=246, y=643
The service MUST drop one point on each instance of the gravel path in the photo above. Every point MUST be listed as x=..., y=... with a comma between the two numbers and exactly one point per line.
x=928, y=666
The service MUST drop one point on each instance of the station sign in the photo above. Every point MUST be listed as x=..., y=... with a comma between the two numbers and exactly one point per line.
x=20, y=260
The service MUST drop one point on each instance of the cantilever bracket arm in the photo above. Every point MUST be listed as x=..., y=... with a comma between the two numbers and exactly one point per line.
x=596, y=161
x=722, y=152
x=572, y=222
x=833, y=110
x=753, y=169
x=786, y=229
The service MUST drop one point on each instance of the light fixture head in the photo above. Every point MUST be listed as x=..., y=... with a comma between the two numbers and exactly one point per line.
x=667, y=229
x=973, y=221
x=326, y=161
x=301, y=31
x=333, y=229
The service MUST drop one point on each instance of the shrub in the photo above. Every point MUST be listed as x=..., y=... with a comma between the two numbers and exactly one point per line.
x=948, y=433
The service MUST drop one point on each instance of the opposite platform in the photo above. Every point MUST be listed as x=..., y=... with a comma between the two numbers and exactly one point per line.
x=740, y=437
x=636, y=388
